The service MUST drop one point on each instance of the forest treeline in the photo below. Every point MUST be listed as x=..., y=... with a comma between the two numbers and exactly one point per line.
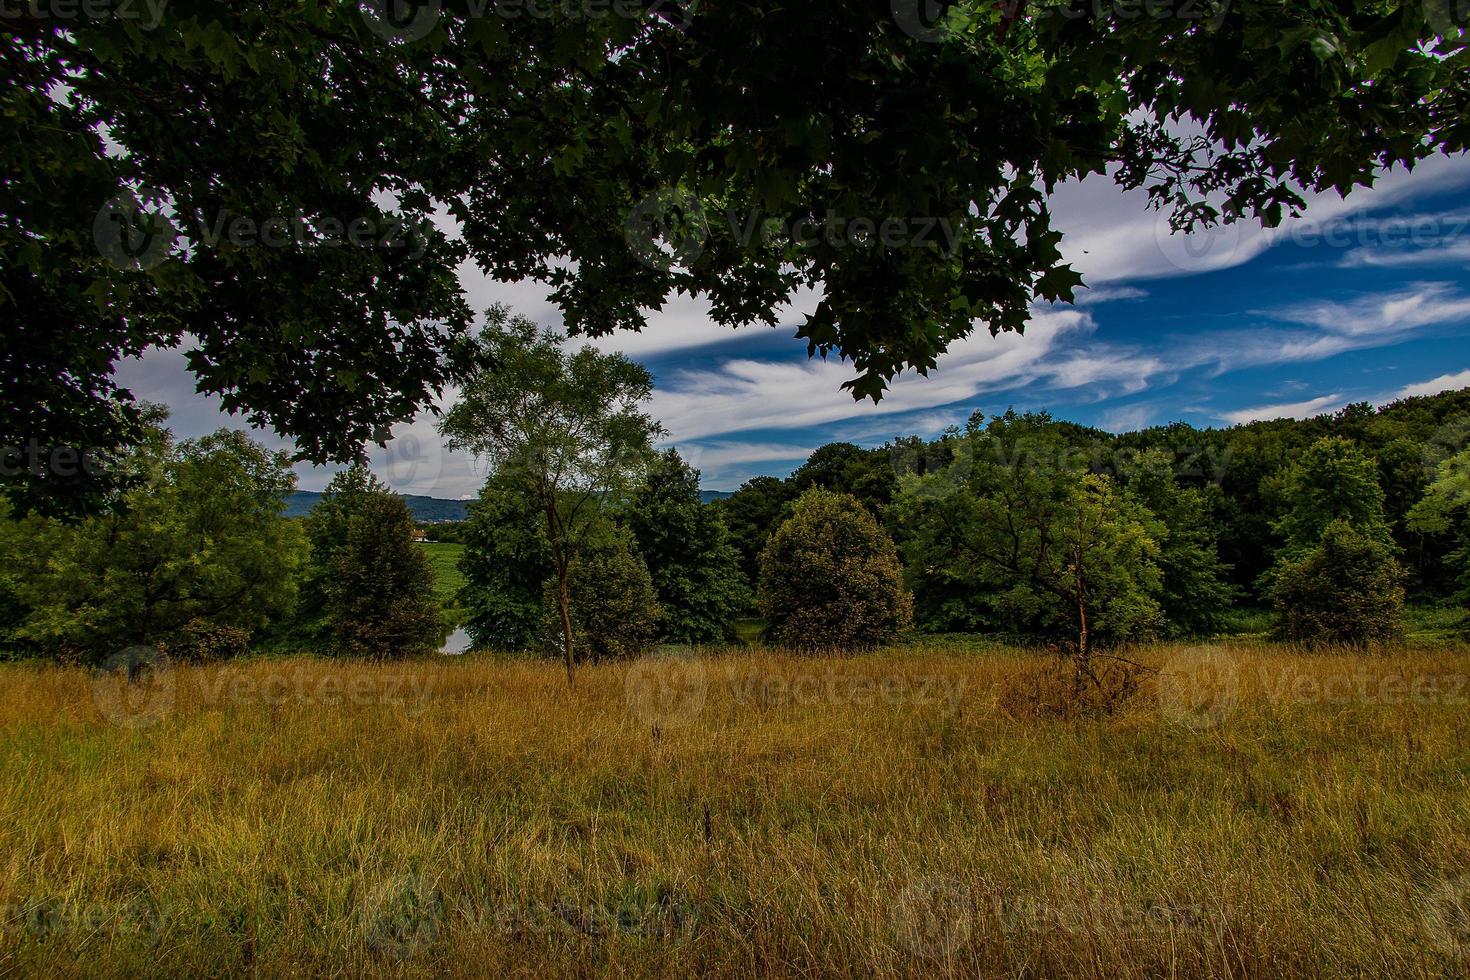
x=588, y=542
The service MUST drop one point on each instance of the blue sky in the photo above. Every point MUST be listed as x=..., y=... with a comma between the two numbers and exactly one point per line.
x=1363, y=299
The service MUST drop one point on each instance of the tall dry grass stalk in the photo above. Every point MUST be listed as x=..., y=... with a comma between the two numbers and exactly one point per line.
x=1252, y=811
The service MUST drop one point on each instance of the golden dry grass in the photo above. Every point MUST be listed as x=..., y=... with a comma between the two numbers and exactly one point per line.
x=1255, y=812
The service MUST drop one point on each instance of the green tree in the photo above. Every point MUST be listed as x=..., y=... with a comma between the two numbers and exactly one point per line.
x=830, y=577
x=615, y=612
x=375, y=582
x=752, y=512
x=1333, y=481
x=1049, y=550
x=842, y=467
x=507, y=563
x=1195, y=592
x=1346, y=590
x=554, y=143
x=1441, y=514
x=1337, y=543
x=198, y=545
x=565, y=426
x=695, y=568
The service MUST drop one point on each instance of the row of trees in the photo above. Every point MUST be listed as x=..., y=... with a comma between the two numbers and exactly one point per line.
x=1008, y=523
x=1019, y=525
x=587, y=540
x=197, y=560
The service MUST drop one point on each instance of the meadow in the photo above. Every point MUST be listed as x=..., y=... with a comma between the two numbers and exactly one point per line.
x=1252, y=810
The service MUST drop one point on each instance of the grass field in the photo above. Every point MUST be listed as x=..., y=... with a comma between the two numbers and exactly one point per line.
x=1253, y=812
x=448, y=579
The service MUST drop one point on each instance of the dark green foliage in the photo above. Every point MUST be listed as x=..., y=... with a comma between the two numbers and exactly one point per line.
x=197, y=546
x=224, y=112
x=867, y=474
x=1017, y=534
x=752, y=513
x=614, y=609
x=686, y=547
x=1195, y=594
x=564, y=426
x=830, y=577
x=374, y=583
x=1332, y=481
x=507, y=564
x=448, y=532
x=1346, y=590
x=1442, y=518
x=542, y=135
x=1338, y=578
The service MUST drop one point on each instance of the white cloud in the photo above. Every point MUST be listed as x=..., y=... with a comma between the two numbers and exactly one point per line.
x=1443, y=253
x=1291, y=410
x=1127, y=418
x=1445, y=382
x=1112, y=236
x=720, y=454
x=1421, y=305
x=1093, y=295
x=742, y=395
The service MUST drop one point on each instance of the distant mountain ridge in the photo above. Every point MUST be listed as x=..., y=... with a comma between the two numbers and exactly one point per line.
x=429, y=510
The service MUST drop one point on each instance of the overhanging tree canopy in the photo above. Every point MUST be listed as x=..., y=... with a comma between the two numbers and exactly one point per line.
x=896, y=162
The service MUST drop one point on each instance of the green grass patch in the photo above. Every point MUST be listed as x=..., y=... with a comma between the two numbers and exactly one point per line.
x=444, y=558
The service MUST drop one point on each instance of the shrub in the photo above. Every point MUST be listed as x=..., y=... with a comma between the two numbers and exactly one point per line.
x=830, y=577
x=695, y=568
x=1056, y=688
x=198, y=540
x=201, y=641
x=376, y=583
x=507, y=563
x=1347, y=590
x=614, y=609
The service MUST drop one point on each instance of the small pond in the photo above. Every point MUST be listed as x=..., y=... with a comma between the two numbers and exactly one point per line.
x=459, y=642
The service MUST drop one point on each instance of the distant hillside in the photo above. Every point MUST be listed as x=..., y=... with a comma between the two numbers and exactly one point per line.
x=425, y=510
x=431, y=510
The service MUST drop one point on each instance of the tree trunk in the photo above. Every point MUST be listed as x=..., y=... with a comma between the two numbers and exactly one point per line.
x=1084, y=646
x=563, y=601
x=563, y=595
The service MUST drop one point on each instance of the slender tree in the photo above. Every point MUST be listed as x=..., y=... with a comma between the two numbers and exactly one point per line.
x=565, y=426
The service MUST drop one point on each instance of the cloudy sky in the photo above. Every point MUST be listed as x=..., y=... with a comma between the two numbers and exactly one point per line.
x=1363, y=299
